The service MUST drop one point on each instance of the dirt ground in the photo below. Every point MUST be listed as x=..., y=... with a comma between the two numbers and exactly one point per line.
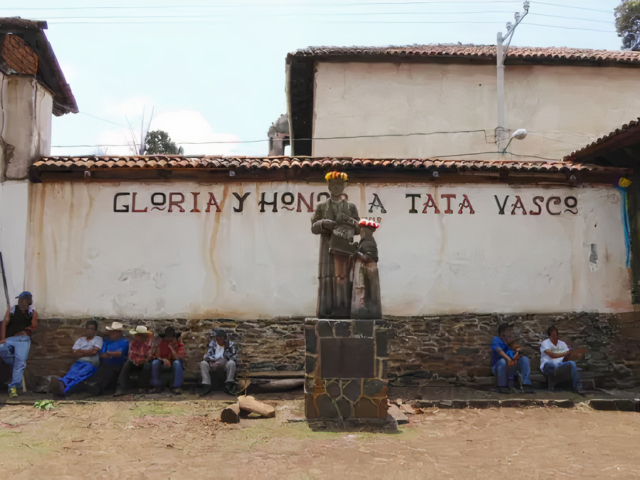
x=126, y=439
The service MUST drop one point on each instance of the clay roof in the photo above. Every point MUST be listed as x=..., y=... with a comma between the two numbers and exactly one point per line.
x=485, y=52
x=622, y=137
x=49, y=72
x=171, y=162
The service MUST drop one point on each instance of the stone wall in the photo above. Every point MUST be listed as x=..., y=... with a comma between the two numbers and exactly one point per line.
x=445, y=346
x=276, y=344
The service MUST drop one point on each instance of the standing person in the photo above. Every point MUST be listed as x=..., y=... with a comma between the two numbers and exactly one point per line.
x=169, y=353
x=87, y=348
x=219, y=359
x=15, y=339
x=139, y=355
x=336, y=221
x=507, y=363
x=114, y=355
x=555, y=360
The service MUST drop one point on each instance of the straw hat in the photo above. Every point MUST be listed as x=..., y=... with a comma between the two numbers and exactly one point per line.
x=116, y=326
x=140, y=329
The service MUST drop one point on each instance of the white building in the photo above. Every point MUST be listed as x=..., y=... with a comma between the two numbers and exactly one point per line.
x=440, y=100
x=32, y=88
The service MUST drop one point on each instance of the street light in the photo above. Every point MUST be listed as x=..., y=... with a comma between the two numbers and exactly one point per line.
x=519, y=134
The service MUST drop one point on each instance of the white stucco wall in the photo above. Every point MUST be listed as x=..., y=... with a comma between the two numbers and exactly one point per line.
x=14, y=214
x=25, y=135
x=570, y=106
x=84, y=259
x=26, y=131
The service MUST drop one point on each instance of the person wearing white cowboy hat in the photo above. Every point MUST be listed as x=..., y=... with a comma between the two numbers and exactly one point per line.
x=114, y=355
x=139, y=354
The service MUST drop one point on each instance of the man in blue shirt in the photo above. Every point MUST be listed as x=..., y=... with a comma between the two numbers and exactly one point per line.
x=507, y=363
x=113, y=356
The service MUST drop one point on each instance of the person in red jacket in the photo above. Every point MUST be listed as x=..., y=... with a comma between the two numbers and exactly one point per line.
x=169, y=354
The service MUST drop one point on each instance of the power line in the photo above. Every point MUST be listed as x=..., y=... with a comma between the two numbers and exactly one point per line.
x=571, y=18
x=569, y=28
x=199, y=20
x=266, y=5
x=280, y=14
x=297, y=139
x=295, y=5
x=573, y=6
x=103, y=119
x=359, y=14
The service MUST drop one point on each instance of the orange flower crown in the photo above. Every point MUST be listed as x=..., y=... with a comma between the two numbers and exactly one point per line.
x=368, y=223
x=336, y=175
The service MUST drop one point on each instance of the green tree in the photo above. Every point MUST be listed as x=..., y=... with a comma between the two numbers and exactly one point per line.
x=158, y=142
x=627, y=16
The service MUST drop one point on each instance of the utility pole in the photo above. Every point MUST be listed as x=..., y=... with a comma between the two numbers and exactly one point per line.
x=501, y=54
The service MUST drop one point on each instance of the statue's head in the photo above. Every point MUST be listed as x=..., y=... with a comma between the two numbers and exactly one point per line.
x=367, y=227
x=337, y=182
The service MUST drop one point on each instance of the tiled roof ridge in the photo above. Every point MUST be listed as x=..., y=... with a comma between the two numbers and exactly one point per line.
x=471, y=50
x=581, y=151
x=127, y=162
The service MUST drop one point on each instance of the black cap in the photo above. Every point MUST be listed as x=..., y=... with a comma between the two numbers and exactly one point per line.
x=218, y=332
x=504, y=327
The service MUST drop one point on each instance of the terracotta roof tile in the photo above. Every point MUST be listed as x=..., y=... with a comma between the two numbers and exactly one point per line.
x=487, y=52
x=631, y=128
x=62, y=164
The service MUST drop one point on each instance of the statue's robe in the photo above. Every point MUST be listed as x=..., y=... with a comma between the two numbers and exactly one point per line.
x=334, y=287
x=365, y=300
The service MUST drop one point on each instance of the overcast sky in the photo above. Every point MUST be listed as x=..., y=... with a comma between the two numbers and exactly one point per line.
x=215, y=71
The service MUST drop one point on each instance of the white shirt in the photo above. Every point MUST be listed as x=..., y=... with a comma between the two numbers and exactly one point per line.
x=84, y=344
x=219, y=352
x=561, y=347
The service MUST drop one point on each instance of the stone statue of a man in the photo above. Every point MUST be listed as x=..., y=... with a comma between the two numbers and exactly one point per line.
x=336, y=221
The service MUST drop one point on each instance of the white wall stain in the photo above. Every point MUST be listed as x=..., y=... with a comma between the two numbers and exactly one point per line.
x=261, y=265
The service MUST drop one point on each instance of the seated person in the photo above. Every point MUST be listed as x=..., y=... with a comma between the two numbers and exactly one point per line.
x=555, y=360
x=220, y=359
x=139, y=354
x=113, y=355
x=15, y=339
x=87, y=348
x=169, y=353
x=507, y=363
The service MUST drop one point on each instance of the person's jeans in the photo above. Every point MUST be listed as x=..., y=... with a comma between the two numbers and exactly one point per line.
x=158, y=365
x=562, y=370
x=221, y=367
x=503, y=372
x=78, y=372
x=15, y=351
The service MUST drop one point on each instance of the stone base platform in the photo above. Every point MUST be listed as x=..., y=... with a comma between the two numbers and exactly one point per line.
x=345, y=370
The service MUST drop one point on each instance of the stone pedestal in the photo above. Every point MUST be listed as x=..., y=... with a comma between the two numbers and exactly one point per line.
x=345, y=370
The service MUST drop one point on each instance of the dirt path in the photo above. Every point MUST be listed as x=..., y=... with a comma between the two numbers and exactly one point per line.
x=185, y=440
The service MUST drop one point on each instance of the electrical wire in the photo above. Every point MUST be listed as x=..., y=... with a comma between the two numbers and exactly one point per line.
x=297, y=139
x=319, y=5
x=265, y=5
x=103, y=119
x=572, y=6
x=197, y=20
x=280, y=14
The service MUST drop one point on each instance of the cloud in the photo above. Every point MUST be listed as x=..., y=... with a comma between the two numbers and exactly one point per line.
x=189, y=128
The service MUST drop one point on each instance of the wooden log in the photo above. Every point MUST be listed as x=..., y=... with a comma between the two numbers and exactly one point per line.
x=231, y=414
x=250, y=404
